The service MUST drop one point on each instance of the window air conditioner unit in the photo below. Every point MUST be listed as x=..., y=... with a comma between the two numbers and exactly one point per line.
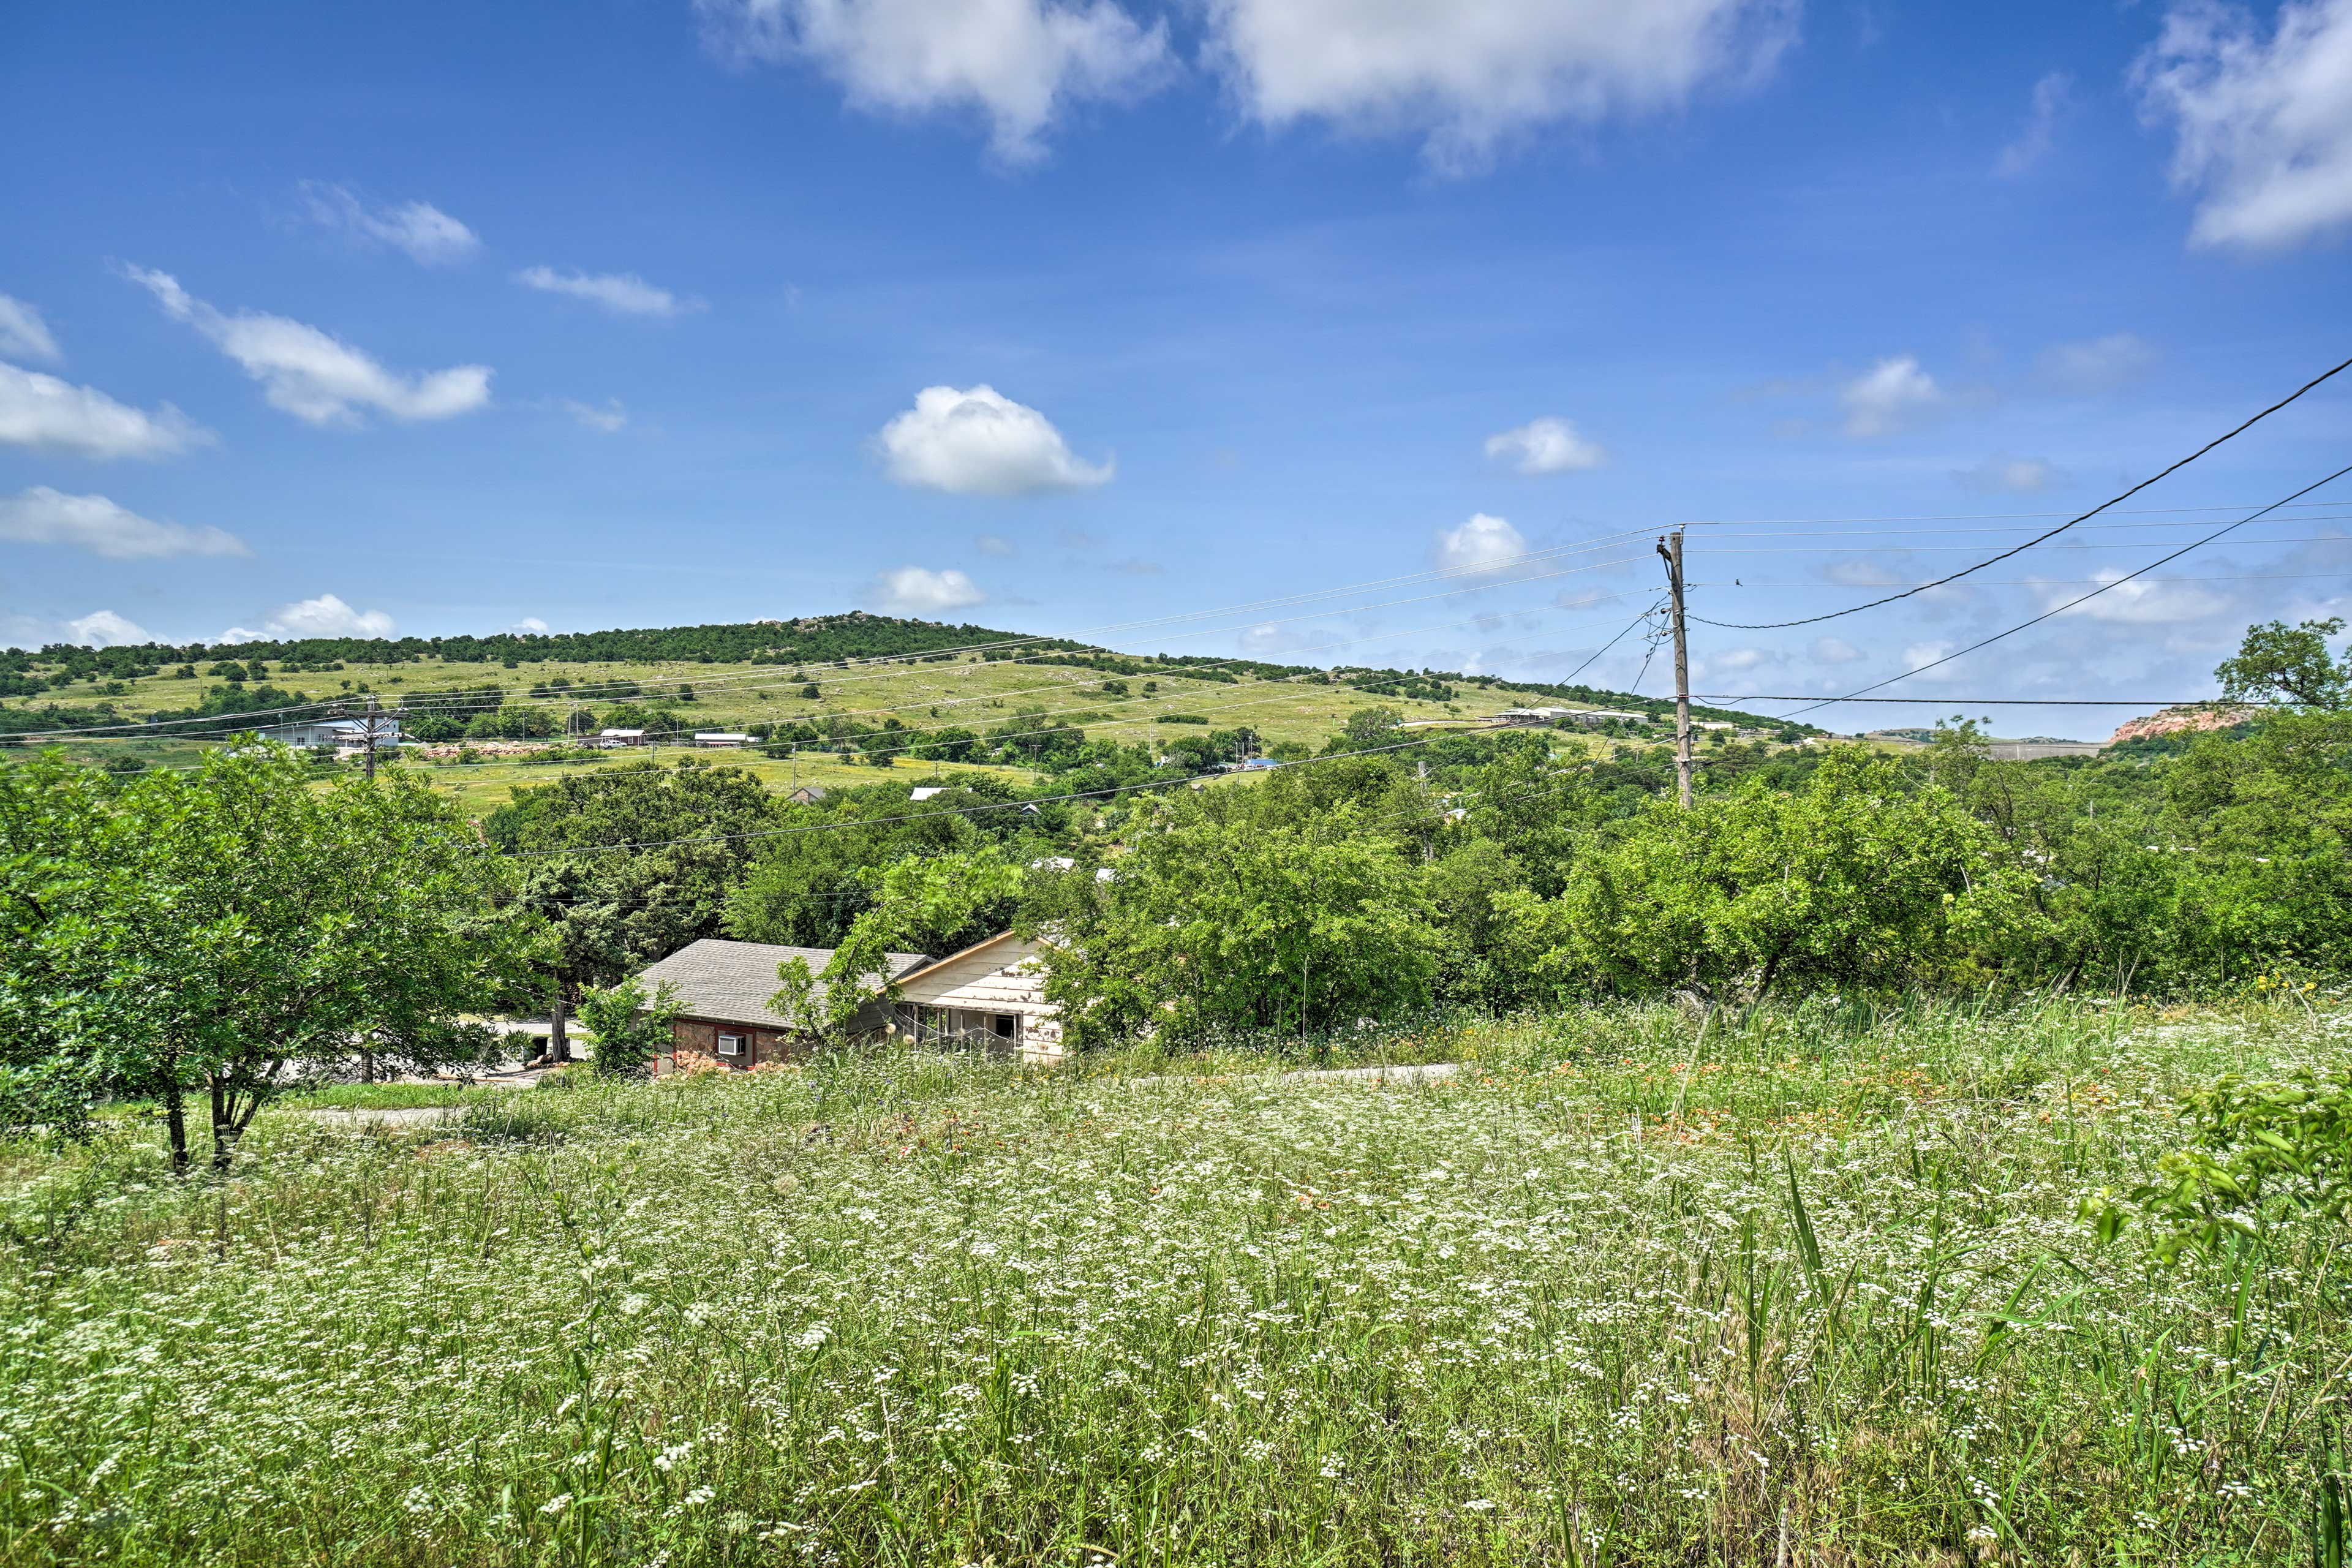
x=731, y=1045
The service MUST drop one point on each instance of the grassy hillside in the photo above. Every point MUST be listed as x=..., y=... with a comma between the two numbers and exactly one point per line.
x=865, y=671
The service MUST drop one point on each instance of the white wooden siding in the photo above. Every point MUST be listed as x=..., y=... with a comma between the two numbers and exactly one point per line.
x=996, y=977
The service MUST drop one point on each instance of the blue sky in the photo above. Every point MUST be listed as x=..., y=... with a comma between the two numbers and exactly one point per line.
x=1055, y=316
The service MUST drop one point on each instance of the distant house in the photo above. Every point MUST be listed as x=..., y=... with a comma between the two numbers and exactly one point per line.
x=721, y=737
x=617, y=738
x=924, y=792
x=723, y=988
x=1543, y=717
x=992, y=995
x=343, y=735
x=808, y=795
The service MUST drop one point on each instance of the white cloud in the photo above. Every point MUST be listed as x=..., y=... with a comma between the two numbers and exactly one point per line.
x=992, y=544
x=1270, y=637
x=2096, y=364
x=2142, y=602
x=918, y=591
x=104, y=628
x=314, y=376
x=623, y=294
x=324, y=617
x=419, y=230
x=23, y=333
x=982, y=443
x=1892, y=395
x=1470, y=73
x=1833, y=650
x=530, y=626
x=2015, y=475
x=608, y=416
x=2052, y=96
x=2262, y=126
x=1862, y=571
x=53, y=415
x=1546, y=446
x=1018, y=64
x=1920, y=655
x=1741, y=660
x=43, y=516
x=1482, y=545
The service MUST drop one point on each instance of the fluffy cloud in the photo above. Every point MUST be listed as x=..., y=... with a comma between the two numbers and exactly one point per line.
x=1484, y=544
x=1920, y=655
x=2096, y=364
x=104, y=628
x=1546, y=446
x=324, y=617
x=1270, y=637
x=2013, y=476
x=1892, y=395
x=314, y=376
x=2052, y=95
x=23, y=333
x=623, y=294
x=1833, y=650
x=2263, y=127
x=52, y=416
x=994, y=544
x=982, y=443
x=422, y=232
x=609, y=417
x=918, y=591
x=43, y=516
x=2142, y=602
x=1862, y=571
x=1018, y=64
x=528, y=627
x=1470, y=73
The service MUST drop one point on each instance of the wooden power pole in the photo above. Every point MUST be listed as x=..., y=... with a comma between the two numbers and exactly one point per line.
x=1671, y=547
x=370, y=734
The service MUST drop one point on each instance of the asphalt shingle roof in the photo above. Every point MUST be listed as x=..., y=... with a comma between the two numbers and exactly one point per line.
x=732, y=981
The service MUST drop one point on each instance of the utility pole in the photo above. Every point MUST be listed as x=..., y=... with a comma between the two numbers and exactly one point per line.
x=370, y=734
x=1671, y=547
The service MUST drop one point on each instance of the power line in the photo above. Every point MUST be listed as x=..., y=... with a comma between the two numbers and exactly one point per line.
x=2015, y=701
x=2053, y=534
x=2070, y=603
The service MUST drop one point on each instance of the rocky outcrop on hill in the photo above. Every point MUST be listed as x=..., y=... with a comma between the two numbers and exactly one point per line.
x=2172, y=720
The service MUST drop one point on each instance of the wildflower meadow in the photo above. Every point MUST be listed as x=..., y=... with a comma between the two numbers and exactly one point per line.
x=1632, y=1287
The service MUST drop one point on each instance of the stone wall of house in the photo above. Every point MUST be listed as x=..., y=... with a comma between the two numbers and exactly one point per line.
x=696, y=1046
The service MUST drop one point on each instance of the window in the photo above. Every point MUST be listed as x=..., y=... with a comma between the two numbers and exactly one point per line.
x=1005, y=1024
x=731, y=1045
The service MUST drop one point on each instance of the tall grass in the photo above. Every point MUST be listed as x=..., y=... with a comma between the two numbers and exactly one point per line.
x=1810, y=1288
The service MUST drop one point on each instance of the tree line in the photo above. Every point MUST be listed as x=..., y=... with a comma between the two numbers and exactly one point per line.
x=197, y=940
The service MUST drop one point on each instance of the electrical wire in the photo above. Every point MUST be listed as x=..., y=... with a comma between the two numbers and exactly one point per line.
x=2062, y=609
x=2053, y=534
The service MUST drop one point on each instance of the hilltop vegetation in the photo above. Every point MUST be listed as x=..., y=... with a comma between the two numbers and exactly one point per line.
x=819, y=667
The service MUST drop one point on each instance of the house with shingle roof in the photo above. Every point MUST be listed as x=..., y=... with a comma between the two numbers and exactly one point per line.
x=723, y=989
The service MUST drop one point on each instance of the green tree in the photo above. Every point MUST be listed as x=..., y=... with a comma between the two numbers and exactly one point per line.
x=626, y=866
x=630, y=1028
x=1285, y=918
x=1856, y=882
x=230, y=922
x=2275, y=660
x=930, y=905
